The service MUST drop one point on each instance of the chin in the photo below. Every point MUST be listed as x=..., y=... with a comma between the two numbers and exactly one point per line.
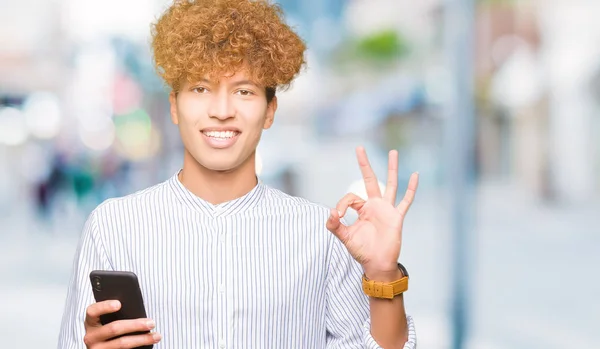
x=222, y=165
x=224, y=168
x=219, y=161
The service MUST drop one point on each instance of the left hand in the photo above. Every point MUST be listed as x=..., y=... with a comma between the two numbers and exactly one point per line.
x=375, y=239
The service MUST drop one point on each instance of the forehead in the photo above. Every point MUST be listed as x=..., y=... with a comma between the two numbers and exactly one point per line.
x=239, y=77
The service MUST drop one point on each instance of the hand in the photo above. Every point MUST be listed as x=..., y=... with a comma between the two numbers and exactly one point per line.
x=375, y=239
x=103, y=337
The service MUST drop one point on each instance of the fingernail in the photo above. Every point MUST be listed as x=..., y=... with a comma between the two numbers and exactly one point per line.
x=115, y=304
x=150, y=324
x=156, y=336
x=340, y=213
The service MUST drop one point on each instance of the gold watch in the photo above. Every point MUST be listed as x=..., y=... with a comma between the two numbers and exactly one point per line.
x=386, y=290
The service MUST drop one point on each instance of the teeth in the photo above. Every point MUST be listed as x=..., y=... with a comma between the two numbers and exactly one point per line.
x=220, y=134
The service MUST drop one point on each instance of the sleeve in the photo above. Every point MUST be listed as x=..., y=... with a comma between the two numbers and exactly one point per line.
x=90, y=255
x=347, y=316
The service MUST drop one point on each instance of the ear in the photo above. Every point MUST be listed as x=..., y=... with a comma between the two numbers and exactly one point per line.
x=173, y=101
x=271, y=109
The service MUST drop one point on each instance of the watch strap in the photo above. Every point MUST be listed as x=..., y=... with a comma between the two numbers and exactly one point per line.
x=386, y=290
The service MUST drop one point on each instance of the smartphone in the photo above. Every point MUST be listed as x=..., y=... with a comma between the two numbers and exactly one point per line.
x=124, y=287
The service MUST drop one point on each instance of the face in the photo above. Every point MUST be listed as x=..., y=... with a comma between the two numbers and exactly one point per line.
x=221, y=123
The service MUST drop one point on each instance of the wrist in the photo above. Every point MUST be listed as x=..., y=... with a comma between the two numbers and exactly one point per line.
x=384, y=276
x=390, y=274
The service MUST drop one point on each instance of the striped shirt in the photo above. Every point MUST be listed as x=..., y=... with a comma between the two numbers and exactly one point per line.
x=260, y=271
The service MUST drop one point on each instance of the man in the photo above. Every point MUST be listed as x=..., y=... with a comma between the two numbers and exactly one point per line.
x=223, y=260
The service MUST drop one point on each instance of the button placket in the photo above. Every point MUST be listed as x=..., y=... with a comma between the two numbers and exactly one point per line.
x=222, y=278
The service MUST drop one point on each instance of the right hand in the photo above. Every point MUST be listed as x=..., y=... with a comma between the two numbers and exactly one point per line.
x=98, y=336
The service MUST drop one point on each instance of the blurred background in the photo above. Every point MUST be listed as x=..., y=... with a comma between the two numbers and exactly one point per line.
x=83, y=117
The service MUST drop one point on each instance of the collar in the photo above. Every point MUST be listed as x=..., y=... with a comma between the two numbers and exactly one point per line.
x=228, y=208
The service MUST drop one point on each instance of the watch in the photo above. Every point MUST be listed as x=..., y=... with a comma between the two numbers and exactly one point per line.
x=386, y=290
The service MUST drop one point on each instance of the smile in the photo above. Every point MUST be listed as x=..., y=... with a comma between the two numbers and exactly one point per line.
x=221, y=134
x=217, y=139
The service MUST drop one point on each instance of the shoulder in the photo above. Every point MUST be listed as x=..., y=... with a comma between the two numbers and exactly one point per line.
x=144, y=200
x=276, y=198
x=300, y=215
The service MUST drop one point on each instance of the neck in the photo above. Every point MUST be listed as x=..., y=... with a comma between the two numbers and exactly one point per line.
x=218, y=186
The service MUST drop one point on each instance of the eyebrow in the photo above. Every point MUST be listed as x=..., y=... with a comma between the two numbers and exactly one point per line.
x=235, y=84
x=244, y=82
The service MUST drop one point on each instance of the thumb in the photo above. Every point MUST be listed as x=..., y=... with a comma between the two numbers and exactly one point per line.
x=335, y=226
x=94, y=311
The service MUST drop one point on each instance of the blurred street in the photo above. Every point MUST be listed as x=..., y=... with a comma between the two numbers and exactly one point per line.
x=518, y=302
x=85, y=117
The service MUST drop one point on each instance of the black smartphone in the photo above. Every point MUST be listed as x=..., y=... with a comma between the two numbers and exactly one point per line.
x=124, y=287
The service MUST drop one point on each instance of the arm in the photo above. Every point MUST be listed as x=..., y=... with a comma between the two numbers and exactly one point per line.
x=348, y=322
x=90, y=255
x=374, y=241
x=347, y=305
x=389, y=326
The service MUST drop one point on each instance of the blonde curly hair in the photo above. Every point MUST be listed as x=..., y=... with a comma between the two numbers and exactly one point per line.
x=198, y=38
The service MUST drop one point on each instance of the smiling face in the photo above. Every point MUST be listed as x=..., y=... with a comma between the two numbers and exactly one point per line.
x=221, y=122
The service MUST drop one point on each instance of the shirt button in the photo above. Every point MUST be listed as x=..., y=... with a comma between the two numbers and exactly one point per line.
x=222, y=238
x=222, y=288
x=222, y=344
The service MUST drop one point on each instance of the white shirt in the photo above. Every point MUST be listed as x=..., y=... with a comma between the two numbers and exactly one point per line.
x=260, y=271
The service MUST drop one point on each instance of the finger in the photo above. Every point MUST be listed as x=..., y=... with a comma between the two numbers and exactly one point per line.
x=392, y=181
x=94, y=311
x=335, y=226
x=349, y=200
x=118, y=328
x=132, y=341
x=369, y=177
x=409, y=196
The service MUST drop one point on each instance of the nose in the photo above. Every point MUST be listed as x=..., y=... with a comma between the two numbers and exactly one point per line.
x=220, y=107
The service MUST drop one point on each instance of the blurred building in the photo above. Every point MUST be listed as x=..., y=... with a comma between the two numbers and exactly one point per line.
x=538, y=114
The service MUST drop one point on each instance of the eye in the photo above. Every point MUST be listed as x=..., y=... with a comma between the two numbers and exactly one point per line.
x=199, y=90
x=245, y=92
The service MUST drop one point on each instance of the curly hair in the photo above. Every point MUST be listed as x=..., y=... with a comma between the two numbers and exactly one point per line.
x=198, y=38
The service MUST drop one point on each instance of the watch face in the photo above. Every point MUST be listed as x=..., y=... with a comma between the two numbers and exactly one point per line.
x=403, y=269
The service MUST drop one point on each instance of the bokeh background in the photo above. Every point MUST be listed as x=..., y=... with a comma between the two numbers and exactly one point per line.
x=83, y=117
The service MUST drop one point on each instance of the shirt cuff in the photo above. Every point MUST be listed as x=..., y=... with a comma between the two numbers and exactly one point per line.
x=411, y=342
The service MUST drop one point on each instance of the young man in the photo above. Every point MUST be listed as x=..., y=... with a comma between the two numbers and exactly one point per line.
x=224, y=260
